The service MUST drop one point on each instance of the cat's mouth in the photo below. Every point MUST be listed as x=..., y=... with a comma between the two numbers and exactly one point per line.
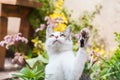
x=56, y=41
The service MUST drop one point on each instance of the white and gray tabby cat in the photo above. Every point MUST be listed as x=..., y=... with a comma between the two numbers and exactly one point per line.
x=63, y=64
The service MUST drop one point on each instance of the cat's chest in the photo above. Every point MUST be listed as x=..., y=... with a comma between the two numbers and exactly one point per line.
x=60, y=62
x=54, y=68
x=62, y=58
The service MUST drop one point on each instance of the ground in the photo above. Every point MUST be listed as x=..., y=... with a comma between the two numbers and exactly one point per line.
x=9, y=70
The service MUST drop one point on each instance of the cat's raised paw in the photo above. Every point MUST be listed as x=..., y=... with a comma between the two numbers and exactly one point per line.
x=84, y=37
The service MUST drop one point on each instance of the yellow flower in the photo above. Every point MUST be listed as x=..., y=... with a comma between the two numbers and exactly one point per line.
x=60, y=27
x=65, y=20
x=36, y=41
x=53, y=16
x=96, y=49
x=58, y=6
x=59, y=3
x=102, y=51
x=36, y=50
x=43, y=46
x=38, y=46
x=59, y=14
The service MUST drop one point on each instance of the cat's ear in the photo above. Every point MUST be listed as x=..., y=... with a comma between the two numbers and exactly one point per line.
x=67, y=32
x=49, y=30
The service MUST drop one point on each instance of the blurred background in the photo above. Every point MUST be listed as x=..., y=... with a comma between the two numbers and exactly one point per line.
x=107, y=22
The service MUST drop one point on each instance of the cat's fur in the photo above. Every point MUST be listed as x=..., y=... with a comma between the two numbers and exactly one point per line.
x=63, y=64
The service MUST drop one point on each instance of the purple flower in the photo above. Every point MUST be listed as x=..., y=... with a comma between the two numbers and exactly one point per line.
x=77, y=36
x=11, y=39
x=59, y=20
x=23, y=39
x=49, y=22
x=7, y=37
x=17, y=38
x=2, y=43
x=53, y=25
x=47, y=18
x=19, y=34
x=38, y=29
x=42, y=26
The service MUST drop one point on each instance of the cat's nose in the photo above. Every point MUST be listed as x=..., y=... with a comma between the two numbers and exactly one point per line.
x=56, y=36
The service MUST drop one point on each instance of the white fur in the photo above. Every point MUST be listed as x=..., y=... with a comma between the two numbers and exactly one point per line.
x=63, y=64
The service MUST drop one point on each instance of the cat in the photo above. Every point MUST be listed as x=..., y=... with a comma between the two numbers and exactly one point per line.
x=63, y=64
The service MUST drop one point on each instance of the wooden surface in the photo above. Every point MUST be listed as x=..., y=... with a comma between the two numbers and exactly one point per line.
x=27, y=3
x=25, y=27
x=3, y=32
x=14, y=10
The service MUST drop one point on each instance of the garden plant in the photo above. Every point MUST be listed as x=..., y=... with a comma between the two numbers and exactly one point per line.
x=100, y=66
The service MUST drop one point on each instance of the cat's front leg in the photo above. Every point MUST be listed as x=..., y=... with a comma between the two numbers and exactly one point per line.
x=53, y=71
x=81, y=56
x=50, y=72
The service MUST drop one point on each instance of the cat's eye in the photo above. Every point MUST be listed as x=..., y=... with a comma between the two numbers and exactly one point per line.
x=62, y=35
x=51, y=35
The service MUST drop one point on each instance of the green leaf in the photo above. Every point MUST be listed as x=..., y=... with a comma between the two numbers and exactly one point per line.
x=33, y=62
x=27, y=72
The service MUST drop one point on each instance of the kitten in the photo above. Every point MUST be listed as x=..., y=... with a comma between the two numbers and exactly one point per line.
x=63, y=64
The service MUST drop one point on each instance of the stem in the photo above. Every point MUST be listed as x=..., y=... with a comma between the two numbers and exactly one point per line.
x=100, y=57
x=27, y=64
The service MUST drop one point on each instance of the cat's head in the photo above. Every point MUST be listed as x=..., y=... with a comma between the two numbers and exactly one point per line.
x=58, y=41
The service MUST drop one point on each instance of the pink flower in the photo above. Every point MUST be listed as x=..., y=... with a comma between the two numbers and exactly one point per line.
x=17, y=38
x=47, y=18
x=11, y=39
x=2, y=43
x=9, y=44
x=77, y=36
x=23, y=39
x=59, y=20
x=7, y=37
x=49, y=22
x=42, y=26
x=19, y=34
x=38, y=29
x=53, y=25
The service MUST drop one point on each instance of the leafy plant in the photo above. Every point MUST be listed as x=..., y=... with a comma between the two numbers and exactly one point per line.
x=108, y=69
x=35, y=71
x=31, y=74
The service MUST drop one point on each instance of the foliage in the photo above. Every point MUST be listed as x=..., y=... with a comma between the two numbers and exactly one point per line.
x=108, y=69
x=37, y=17
x=34, y=69
x=57, y=19
x=35, y=73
